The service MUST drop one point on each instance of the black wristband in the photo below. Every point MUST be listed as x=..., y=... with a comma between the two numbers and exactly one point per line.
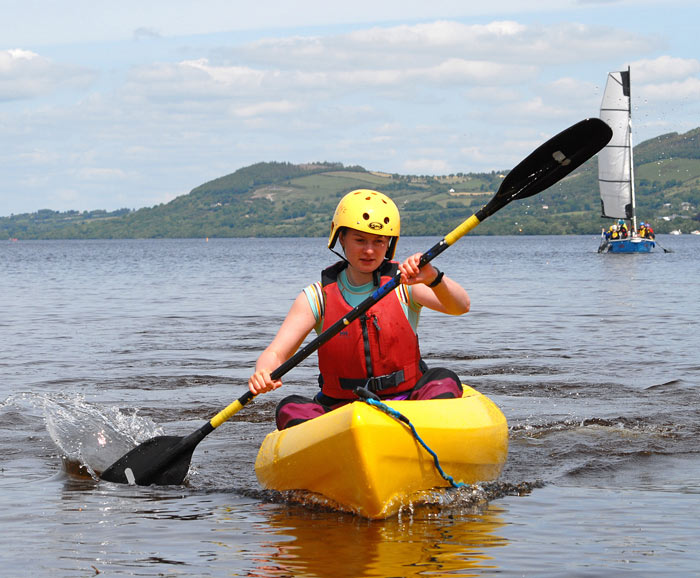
x=438, y=279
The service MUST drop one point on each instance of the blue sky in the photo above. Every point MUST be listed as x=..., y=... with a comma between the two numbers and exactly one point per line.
x=105, y=105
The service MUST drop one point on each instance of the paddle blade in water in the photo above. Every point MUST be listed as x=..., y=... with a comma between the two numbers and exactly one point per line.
x=160, y=460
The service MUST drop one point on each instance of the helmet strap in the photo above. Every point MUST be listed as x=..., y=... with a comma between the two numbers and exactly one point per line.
x=341, y=256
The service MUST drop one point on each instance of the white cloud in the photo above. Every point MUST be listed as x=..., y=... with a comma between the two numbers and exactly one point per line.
x=36, y=157
x=436, y=36
x=266, y=108
x=25, y=74
x=664, y=68
x=39, y=21
x=481, y=72
x=227, y=75
x=414, y=58
x=9, y=59
x=423, y=44
x=567, y=86
x=688, y=89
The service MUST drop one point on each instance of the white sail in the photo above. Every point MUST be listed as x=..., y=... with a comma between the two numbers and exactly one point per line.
x=615, y=168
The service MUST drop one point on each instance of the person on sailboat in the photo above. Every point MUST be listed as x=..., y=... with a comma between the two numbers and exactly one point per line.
x=646, y=231
x=622, y=227
x=380, y=350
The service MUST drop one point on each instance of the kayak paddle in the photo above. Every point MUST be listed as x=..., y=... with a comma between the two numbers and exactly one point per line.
x=165, y=460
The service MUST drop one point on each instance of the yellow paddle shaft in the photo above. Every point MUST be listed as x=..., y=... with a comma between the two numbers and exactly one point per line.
x=459, y=232
x=226, y=414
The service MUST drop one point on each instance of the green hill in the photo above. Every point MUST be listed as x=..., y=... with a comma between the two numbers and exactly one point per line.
x=274, y=199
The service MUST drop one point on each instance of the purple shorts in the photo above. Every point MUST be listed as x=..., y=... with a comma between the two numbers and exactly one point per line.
x=437, y=383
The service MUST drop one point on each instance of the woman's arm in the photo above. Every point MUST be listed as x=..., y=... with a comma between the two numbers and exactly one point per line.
x=297, y=325
x=448, y=296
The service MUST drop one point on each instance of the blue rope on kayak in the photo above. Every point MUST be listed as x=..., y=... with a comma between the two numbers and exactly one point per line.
x=399, y=416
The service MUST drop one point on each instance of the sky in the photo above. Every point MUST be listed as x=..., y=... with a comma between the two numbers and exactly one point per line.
x=128, y=104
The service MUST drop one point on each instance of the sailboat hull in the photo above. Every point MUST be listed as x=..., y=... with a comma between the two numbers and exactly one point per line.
x=635, y=245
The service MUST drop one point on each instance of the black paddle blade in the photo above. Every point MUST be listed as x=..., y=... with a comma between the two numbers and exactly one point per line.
x=551, y=162
x=160, y=460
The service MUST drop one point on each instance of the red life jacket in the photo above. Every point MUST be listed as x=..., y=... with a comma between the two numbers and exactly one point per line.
x=378, y=351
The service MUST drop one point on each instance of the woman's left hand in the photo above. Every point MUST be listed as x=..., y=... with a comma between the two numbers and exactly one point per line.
x=447, y=296
x=412, y=274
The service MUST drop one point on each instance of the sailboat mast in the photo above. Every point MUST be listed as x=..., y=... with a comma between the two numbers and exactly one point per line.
x=628, y=88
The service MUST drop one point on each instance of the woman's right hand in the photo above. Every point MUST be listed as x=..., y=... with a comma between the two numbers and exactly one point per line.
x=261, y=382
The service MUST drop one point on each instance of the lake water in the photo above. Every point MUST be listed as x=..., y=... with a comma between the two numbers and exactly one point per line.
x=593, y=359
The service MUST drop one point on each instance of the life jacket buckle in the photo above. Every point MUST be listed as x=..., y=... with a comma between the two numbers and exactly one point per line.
x=374, y=384
x=382, y=382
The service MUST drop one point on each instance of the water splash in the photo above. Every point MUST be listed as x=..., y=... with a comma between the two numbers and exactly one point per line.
x=443, y=501
x=91, y=437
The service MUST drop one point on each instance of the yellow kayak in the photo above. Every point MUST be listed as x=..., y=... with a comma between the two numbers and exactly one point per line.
x=366, y=462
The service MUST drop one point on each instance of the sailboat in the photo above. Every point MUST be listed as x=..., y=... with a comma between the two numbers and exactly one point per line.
x=616, y=172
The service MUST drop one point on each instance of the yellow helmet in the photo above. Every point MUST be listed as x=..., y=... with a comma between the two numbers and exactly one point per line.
x=370, y=212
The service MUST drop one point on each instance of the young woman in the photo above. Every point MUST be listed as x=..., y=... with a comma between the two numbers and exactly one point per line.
x=378, y=351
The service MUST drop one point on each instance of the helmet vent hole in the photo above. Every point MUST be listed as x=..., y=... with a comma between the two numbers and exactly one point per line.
x=386, y=220
x=365, y=216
